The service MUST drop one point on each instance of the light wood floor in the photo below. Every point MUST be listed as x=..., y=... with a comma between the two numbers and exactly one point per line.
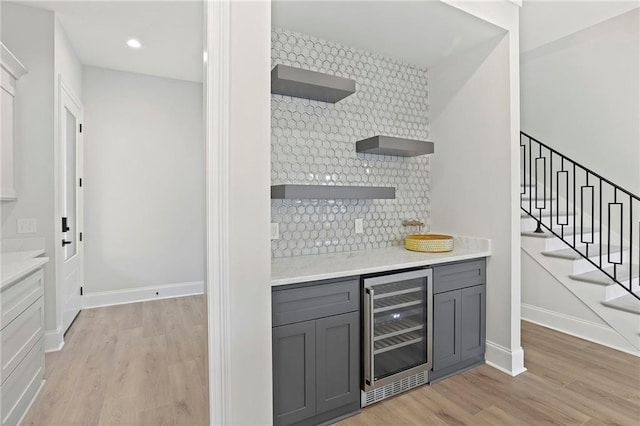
x=145, y=364
x=569, y=382
x=136, y=364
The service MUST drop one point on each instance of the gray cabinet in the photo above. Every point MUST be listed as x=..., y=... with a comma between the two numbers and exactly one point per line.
x=316, y=351
x=294, y=358
x=337, y=361
x=459, y=317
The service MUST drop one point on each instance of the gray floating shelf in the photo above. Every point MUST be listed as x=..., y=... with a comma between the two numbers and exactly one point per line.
x=330, y=192
x=291, y=81
x=388, y=145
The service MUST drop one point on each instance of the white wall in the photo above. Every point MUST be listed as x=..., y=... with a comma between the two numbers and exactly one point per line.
x=547, y=301
x=580, y=95
x=541, y=290
x=29, y=33
x=475, y=114
x=67, y=63
x=144, y=181
x=249, y=212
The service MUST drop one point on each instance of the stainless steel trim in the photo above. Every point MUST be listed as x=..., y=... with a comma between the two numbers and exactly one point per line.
x=368, y=338
x=369, y=327
x=399, y=376
x=386, y=279
x=429, y=363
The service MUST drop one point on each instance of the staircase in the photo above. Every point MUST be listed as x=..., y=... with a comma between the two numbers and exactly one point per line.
x=580, y=243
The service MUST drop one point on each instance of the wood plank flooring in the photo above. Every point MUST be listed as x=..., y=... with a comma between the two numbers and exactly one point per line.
x=145, y=364
x=136, y=364
x=569, y=382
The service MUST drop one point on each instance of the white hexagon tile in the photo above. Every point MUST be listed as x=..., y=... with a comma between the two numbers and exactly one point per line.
x=313, y=142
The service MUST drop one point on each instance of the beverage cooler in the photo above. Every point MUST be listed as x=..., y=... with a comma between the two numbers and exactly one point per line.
x=397, y=333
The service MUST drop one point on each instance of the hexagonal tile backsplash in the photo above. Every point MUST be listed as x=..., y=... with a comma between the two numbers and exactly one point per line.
x=313, y=142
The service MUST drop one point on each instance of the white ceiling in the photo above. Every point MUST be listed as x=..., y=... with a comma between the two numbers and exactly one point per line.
x=542, y=22
x=420, y=33
x=171, y=33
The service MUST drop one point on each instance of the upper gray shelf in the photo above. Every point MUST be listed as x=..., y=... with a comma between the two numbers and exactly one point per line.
x=331, y=192
x=291, y=81
x=387, y=145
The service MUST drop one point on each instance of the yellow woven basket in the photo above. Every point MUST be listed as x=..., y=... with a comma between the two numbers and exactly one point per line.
x=431, y=243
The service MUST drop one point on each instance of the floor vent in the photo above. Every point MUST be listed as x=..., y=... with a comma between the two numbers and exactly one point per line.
x=383, y=392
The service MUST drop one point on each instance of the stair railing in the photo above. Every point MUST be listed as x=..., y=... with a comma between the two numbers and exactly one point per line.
x=550, y=181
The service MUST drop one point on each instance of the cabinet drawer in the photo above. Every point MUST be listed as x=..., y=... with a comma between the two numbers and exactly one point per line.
x=20, y=336
x=458, y=275
x=19, y=296
x=22, y=385
x=315, y=301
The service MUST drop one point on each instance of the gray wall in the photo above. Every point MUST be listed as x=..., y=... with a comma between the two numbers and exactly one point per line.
x=314, y=143
x=472, y=112
x=580, y=96
x=29, y=33
x=144, y=174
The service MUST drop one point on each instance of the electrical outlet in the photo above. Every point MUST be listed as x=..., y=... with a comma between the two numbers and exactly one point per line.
x=275, y=231
x=359, y=226
x=27, y=226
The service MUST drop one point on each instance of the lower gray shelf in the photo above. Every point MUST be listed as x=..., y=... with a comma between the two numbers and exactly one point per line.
x=326, y=192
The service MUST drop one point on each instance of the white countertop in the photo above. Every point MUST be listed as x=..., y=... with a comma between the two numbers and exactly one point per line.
x=17, y=264
x=291, y=270
x=12, y=256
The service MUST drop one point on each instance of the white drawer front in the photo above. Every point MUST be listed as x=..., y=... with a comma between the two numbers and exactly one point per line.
x=20, y=336
x=19, y=296
x=22, y=385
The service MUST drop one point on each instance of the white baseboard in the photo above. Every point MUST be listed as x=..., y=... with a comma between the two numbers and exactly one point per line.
x=504, y=359
x=597, y=333
x=141, y=294
x=53, y=340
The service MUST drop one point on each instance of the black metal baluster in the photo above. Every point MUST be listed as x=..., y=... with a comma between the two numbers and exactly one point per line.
x=630, y=242
x=550, y=192
x=574, y=205
x=600, y=223
x=523, y=190
x=532, y=184
x=586, y=189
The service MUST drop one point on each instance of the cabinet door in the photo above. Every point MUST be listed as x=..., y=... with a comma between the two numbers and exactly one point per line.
x=337, y=362
x=473, y=322
x=446, y=329
x=294, y=372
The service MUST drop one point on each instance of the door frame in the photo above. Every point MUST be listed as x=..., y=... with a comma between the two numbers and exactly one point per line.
x=216, y=80
x=65, y=93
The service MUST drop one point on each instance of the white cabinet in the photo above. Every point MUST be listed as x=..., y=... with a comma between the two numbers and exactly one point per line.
x=21, y=346
x=11, y=71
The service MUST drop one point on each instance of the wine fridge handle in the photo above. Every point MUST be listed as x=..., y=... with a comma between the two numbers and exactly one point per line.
x=369, y=335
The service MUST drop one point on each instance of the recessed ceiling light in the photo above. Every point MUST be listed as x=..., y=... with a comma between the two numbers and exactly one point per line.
x=134, y=44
